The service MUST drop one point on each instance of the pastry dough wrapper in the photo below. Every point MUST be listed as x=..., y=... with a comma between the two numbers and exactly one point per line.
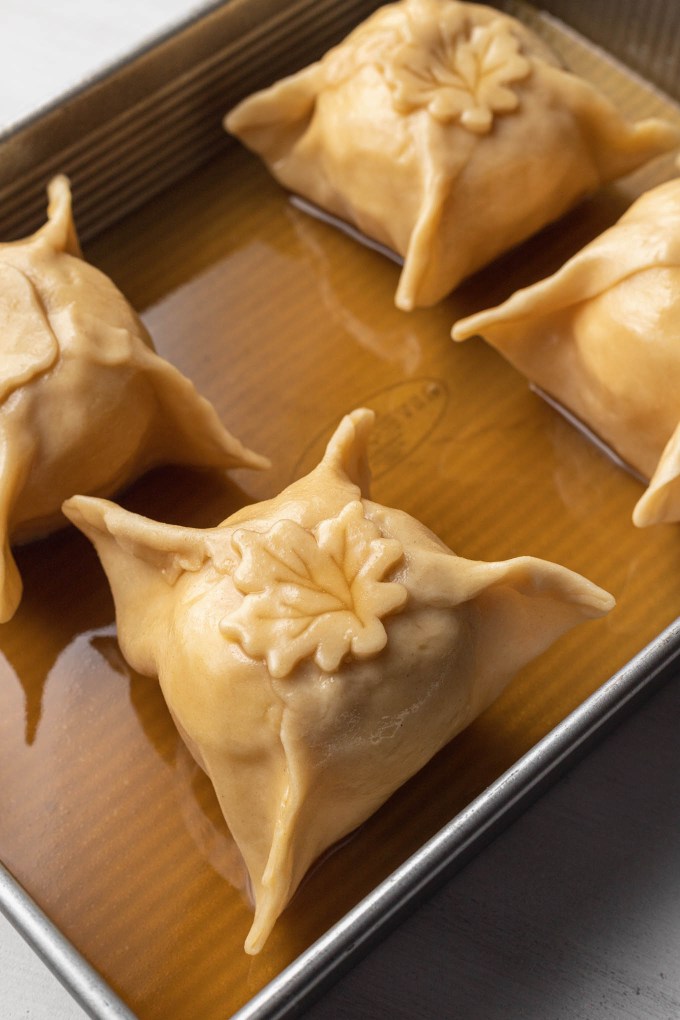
x=446, y=131
x=602, y=336
x=86, y=405
x=417, y=642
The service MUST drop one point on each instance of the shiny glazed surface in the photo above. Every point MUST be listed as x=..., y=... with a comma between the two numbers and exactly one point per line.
x=285, y=325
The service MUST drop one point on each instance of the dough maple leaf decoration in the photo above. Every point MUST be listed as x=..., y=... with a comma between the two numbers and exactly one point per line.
x=457, y=74
x=317, y=593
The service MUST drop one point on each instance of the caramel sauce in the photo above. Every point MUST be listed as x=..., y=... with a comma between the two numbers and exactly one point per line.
x=286, y=324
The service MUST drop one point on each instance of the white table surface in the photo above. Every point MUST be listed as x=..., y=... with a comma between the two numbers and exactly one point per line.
x=574, y=912
x=47, y=48
x=28, y=991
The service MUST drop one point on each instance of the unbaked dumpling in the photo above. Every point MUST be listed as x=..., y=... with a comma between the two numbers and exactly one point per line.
x=85, y=403
x=317, y=649
x=602, y=336
x=446, y=131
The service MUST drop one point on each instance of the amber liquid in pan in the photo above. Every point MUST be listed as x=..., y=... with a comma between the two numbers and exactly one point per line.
x=286, y=324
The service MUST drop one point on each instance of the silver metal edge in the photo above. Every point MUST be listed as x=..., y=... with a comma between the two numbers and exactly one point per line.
x=354, y=935
x=85, y=984
x=447, y=852
x=376, y=915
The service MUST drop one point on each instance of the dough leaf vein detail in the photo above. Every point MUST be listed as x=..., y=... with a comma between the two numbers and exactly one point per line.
x=457, y=74
x=316, y=593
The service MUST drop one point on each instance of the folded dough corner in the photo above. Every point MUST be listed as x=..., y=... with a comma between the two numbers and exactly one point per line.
x=86, y=405
x=602, y=336
x=446, y=131
x=317, y=649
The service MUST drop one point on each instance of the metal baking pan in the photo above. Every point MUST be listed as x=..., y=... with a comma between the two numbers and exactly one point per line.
x=117, y=865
